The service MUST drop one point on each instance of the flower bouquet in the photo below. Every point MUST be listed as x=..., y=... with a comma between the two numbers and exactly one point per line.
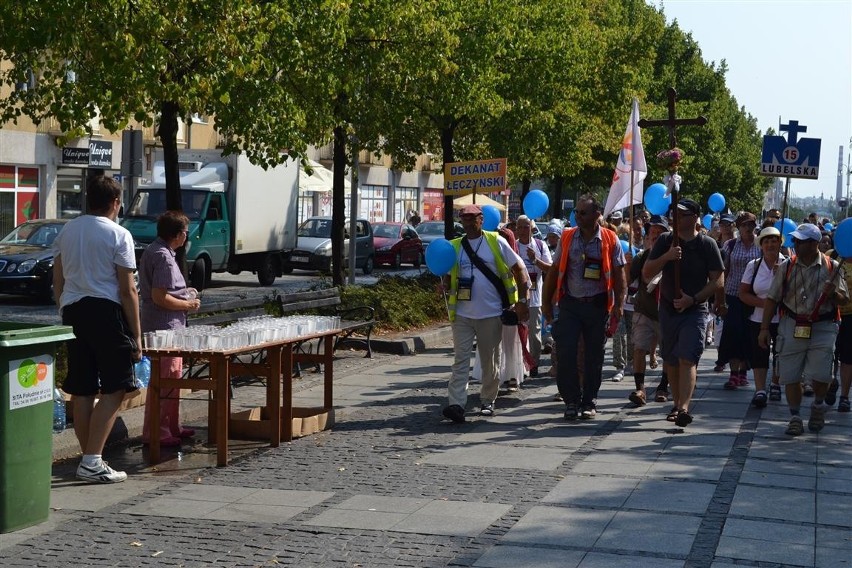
x=670, y=159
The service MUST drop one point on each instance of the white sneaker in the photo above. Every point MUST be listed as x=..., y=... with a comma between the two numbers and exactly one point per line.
x=618, y=376
x=101, y=473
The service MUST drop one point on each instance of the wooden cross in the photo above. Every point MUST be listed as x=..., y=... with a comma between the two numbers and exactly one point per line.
x=670, y=124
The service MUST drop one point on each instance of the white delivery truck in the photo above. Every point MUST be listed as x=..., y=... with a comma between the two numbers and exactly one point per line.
x=241, y=217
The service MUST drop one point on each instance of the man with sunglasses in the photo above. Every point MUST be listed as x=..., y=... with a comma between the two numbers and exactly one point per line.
x=683, y=311
x=588, y=285
x=808, y=290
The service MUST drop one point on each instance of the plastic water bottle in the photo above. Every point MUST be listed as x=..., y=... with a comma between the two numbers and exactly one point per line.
x=142, y=370
x=58, y=411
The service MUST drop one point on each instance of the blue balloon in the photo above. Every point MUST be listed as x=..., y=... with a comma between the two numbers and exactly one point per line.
x=490, y=218
x=572, y=219
x=656, y=200
x=843, y=238
x=716, y=202
x=626, y=248
x=440, y=256
x=707, y=221
x=535, y=204
x=786, y=227
x=829, y=227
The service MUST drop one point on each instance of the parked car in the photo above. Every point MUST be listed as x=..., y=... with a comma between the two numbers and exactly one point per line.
x=26, y=258
x=432, y=230
x=313, y=246
x=397, y=243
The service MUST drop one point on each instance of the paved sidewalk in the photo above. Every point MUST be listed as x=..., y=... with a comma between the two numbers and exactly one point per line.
x=394, y=485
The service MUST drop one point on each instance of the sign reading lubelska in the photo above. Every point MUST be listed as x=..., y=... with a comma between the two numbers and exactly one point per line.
x=480, y=176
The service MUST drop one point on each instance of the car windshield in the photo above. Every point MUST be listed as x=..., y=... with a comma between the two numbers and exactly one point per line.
x=388, y=231
x=150, y=203
x=430, y=229
x=36, y=234
x=318, y=228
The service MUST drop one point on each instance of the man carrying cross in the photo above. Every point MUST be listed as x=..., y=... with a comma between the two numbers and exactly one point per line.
x=692, y=271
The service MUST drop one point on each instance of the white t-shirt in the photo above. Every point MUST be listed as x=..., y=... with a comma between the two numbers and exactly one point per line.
x=91, y=247
x=542, y=252
x=761, y=285
x=484, y=300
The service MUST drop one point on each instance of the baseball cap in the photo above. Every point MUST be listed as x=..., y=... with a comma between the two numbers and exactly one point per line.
x=554, y=230
x=689, y=205
x=746, y=217
x=768, y=232
x=807, y=232
x=616, y=216
x=657, y=220
x=726, y=218
x=470, y=210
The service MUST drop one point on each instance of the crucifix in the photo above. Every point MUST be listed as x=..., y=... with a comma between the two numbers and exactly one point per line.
x=670, y=124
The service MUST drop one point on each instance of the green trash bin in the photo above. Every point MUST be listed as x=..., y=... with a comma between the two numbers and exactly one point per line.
x=27, y=355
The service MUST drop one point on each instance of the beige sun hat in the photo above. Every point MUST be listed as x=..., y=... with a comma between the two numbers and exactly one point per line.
x=768, y=232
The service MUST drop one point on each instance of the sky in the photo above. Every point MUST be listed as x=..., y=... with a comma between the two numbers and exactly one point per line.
x=786, y=58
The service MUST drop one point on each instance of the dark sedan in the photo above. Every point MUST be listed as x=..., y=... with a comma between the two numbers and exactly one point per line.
x=432, y=230
x=26, y=258
x=397, y=243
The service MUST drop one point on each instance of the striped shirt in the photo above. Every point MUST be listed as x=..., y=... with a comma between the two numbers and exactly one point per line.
x=737, y=257
x=805, y=285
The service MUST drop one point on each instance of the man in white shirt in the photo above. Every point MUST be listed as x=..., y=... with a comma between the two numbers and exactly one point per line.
x=94, y=287
x=475, y=306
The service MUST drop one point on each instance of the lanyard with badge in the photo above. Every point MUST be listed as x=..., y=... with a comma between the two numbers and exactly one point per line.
x=465, y=291
x=592, y=267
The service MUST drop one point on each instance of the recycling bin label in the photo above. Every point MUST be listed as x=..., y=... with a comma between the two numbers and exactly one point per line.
x=30, y=381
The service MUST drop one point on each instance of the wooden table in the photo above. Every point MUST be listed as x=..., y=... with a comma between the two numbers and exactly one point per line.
x=277, y=367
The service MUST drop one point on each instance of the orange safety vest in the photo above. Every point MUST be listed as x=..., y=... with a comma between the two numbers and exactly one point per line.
x=608, y=243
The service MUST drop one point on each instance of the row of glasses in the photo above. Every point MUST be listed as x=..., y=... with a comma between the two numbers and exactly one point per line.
x=246, y=332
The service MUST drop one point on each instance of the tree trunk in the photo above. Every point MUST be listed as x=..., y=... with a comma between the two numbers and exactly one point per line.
x=449, y=157
x=167, y=131
x=556, y=208
x=337, y=206
x=525, y=188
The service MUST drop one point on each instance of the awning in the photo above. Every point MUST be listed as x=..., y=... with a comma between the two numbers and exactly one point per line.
x=320, y=181
x=481, y=200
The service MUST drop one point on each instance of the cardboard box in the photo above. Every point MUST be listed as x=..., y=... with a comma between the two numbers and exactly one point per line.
x=131, y=400
x=254, y=424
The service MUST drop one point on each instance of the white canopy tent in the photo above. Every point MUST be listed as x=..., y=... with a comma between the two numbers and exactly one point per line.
x=481, y=200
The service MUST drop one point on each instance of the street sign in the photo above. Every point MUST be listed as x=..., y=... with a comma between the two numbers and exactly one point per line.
x=480, y=176
x=793, y=157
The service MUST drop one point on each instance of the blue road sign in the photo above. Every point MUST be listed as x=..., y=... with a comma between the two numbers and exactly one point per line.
x=793, y=157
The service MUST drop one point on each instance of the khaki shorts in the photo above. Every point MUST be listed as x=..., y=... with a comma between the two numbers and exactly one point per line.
x=806, y=357
x=646, y=332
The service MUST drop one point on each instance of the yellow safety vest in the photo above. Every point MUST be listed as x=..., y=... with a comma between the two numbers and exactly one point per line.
x=503, y=272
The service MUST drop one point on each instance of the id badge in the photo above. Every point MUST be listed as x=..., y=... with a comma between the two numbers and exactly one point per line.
x=533, y=280
x=802, y=330
x=592, y=271
x=465, y=288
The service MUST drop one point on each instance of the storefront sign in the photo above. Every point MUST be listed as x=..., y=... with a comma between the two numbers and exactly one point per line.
x=75, y=156
x=100, y=154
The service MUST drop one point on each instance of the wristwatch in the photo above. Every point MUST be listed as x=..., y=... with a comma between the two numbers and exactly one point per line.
x=522, y=301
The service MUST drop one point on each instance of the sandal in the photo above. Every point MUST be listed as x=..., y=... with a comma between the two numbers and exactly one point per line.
x=683, y=418
x=672, y=415
x=487, y=410
x=653, y=363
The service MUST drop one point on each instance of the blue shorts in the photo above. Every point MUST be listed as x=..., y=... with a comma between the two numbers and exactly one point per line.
x=682, y=335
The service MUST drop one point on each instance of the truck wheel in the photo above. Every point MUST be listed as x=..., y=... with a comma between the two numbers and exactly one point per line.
x=397, y=260
x=198, y=274
x=267, y=271
x=368, y=265
x=418, y=260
